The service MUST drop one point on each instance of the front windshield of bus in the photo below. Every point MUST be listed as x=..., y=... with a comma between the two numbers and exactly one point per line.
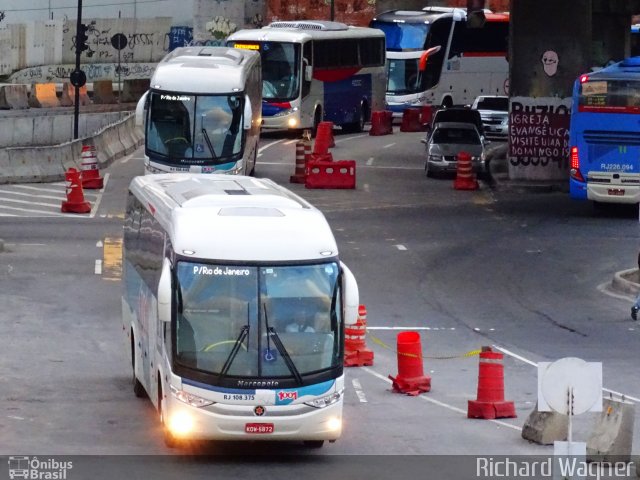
x=280, y=71
x=251, y=322
x=404, y=77
x=609, y=96
x=403, y=36
x=195, y=129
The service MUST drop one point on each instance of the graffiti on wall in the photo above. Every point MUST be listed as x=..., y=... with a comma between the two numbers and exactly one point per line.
x=550, y=61
x=94, y=71
x=180, y=37
x=539, y=137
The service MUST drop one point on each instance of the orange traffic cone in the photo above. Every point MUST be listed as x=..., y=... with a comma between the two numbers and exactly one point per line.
x=465, y=178
x=490, y=403
x=75, y=202
x=299, y=175
x=89, y=168
x=411, y=378
x=356, y=353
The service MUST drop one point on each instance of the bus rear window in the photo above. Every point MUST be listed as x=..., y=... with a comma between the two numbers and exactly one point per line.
x=609, y=95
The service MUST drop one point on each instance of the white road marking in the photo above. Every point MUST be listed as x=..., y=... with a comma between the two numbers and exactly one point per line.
x=289, y=142
x=370, y=161
x=130, y=157
x=389, y=145
x=410, y=328
x=264, y=147
x=346, y=139
x=400, y=247
x=98, y=267
x=437, y=402
x=534, y=364
x=359, y=392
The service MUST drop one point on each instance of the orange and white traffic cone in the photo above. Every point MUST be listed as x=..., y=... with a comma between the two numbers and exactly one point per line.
x=490, y=403
x=90, y=172
x=299, y=175
x=75, y=202
x=465, y=178
x=411, y=378
x=356, y=353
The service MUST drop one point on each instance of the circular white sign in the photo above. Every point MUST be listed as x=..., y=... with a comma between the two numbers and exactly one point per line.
x=565, y=375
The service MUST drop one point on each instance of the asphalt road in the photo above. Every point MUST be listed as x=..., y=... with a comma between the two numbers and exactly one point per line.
x=523, y=272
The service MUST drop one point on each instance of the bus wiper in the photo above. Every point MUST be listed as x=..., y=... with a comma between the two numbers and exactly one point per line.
x=209, y=144
x=271, y=333
x=244, y=333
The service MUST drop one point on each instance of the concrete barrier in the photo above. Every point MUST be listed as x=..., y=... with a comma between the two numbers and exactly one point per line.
x=133, y=89
x=103, y=92
x=49, y=163
x=545, y=428
x=611, y=439
x=15, y=97
x=43, y=95
x=84, y=96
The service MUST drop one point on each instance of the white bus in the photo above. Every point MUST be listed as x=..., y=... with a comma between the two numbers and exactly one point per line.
x=317, y=70
x=435, y=58
x=202, y=112
x=234, y=307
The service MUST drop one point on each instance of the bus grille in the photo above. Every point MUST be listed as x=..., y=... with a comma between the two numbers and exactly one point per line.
x=612, y=137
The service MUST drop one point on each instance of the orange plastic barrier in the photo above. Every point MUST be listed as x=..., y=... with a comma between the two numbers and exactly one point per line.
x=426, y=116
x=381, y=123
x=338, y=174
x=411, y=378
x=490, y=403
x=411, y=120
x=465, y=178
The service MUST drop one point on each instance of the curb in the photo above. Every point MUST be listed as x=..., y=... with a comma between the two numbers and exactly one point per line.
x=622, y=283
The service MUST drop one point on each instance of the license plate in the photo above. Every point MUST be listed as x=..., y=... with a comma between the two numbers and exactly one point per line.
x=619, y=192
x=258, y=428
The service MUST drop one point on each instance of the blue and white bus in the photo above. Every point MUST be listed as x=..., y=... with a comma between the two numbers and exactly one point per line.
x=315, y=71
x=604, y=138
x=202, y=112
x=234, y=308
x=434, y=57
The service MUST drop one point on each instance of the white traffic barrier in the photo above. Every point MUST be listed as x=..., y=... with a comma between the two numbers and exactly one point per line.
x=612, y=437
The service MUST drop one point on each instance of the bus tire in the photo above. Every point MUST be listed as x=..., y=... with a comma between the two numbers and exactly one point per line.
x=252, y=172
x=361, y=115
x=313, y=443
x=138, y=388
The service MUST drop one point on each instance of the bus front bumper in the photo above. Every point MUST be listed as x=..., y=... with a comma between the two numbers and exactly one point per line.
x=239, y=422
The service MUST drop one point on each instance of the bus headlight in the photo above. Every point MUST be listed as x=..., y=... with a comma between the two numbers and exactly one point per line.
x=325, y=401
x=334, y=424
x=288, y=111
x=180, y=424
x=292, y=122
x=190, y=398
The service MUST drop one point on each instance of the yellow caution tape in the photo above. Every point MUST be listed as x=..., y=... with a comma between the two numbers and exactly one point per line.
x=470, y=353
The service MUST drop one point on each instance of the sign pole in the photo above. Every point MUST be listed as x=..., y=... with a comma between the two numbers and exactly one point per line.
x=76, y=103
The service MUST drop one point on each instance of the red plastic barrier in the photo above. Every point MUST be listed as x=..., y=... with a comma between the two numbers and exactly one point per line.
x=338, y=174
x=381, y=123
x=426, y=116
x=411, y=378
x=411, y=120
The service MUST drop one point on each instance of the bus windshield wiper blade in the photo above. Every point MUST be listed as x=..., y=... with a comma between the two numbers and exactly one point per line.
x=271, y=333
x=209, y=144
x=244, y=333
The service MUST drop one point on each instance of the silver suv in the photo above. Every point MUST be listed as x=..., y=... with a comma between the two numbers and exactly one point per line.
x=494, y=111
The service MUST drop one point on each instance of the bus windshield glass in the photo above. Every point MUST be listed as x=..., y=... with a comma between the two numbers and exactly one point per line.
x=405, y=77
x=614, y=96
x=254, y=322
x=195, y=129
x=280, y=71
x=403, y=36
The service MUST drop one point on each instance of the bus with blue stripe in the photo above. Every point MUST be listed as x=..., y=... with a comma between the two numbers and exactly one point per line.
x=232, y=339
x=315, y=71
x=604, y=137
x=442, y=56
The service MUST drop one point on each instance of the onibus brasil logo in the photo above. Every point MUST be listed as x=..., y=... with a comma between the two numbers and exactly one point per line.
x=34, y=468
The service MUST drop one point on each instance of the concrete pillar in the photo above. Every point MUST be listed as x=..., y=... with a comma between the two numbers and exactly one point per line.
x=546, y=54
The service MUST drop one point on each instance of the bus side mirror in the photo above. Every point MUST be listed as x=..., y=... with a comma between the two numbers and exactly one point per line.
x=422, y=64
x=308, y=73
x=248, y=113
x=351, y=296
x=164, y=292
x=141, y=109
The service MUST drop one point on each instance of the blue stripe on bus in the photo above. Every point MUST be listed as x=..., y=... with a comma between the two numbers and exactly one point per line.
x=269, y=110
